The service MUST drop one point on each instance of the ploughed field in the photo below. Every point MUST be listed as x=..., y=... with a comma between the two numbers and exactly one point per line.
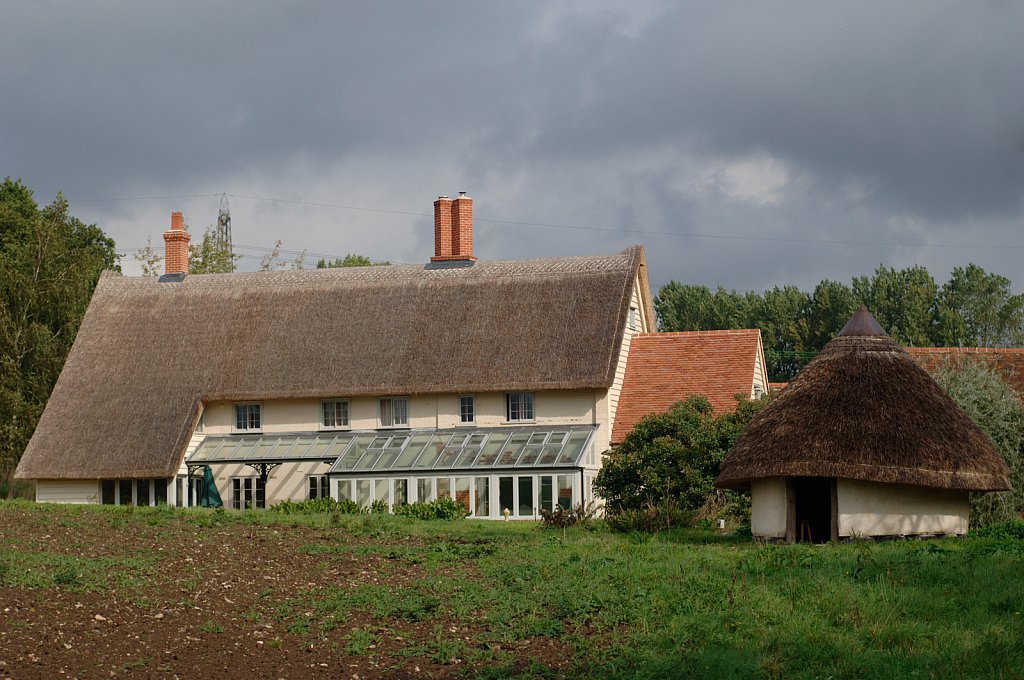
x=99, y=592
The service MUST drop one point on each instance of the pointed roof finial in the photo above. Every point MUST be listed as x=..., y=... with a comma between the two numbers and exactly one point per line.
x=862, y=324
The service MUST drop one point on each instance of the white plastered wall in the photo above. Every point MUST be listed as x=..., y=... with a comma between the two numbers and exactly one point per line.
x=873, y=509
x=67, y=491
x=768, y=507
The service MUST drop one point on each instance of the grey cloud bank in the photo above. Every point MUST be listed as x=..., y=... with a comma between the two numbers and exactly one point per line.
x=812, y=126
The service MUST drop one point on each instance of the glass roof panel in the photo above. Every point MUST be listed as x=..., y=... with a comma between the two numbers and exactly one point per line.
x=530, y=455
x=467, y=457
x=572, y=452
x=510, y=454
x=476, y=440
x=492, y=448
x=430, y=454
x=354, y=453
x=447, y=457
x=386, y=459
x=548, y=454
x=410, y=453
x=235, y=449
x=537, y=438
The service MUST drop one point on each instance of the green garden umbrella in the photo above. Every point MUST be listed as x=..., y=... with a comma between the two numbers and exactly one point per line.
x=211, y=498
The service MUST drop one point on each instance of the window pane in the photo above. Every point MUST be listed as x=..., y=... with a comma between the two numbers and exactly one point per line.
x=383, y=491
x=444, y=487
x=565, y=491
x=546, y=493
x=314, y=488
x=483, y=497
x=467, y=412
x=527, y=407
x=431, y=453
x=160, y=491
x=364, y=489
x=462, y=493
x=548, y=454
x=525, y=497
x=125, y=491
x=401, y=408
x=571, y=451
x=107, y=492
x=261, y=493
x=401, y=491
x=142, y=491
x=424, y=490
x=329, y=414
x=386, y=419
x=505, y=495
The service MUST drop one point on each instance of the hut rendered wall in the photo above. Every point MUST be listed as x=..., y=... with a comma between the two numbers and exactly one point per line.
x=868, y=509
x=873, y=509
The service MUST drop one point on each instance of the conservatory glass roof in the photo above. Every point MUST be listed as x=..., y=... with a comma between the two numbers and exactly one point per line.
x=357, y=453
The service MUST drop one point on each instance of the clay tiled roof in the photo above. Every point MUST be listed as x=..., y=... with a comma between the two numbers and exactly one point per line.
x=664, y=368
x=1009, y=361
x=776, y=386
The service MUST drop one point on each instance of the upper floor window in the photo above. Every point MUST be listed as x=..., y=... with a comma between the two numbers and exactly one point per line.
x=394, y=412
x=248, y=417
x=335, y=414
x=518, y=406
x=467, y=409
x=634, y=318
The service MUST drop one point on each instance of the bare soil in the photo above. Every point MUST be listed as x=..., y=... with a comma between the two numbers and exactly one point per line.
x=224, y=601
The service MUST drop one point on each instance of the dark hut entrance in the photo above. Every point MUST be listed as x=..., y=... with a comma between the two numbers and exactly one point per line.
x=811, y=510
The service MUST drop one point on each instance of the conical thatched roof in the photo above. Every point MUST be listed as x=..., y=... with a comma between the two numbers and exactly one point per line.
x=864, y=409
x=150, y=353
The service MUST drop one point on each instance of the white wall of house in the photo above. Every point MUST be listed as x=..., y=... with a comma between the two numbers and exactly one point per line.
x=636, y=322
x=873, y=509
x=67, y=491
x=768, y=507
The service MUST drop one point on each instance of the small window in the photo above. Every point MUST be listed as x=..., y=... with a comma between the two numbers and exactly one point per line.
x=248, y=418
x=467, y=409
x=201, y=425
x=394, y=412
x=318, y=487
x=335, y=415
x=247, y=492
x=634, y=317
x=518, y=406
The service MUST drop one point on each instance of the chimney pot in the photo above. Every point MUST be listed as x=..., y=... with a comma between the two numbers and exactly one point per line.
x=176, y=246
x=453, y=229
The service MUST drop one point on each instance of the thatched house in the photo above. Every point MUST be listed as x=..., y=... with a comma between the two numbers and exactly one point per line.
x=495, y=383
x=863, y=442
x=664, y=368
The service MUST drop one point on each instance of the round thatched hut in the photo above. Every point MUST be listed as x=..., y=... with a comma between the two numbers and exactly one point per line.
x=863, y=442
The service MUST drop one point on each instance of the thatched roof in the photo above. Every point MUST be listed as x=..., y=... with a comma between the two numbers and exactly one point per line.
x=863, y=409
x=149, y=353
x=664, y=368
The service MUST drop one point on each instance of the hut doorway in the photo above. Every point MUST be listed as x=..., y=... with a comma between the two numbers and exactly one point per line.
x=812, y=516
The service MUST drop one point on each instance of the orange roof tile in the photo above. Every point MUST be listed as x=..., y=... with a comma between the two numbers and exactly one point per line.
x=1008, y=361
x=664, y=368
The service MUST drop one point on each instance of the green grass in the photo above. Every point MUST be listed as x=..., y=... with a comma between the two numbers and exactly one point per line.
x=680, y=604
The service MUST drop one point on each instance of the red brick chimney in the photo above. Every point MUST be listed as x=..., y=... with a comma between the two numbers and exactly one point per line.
x=453, y=229
x=176, y=243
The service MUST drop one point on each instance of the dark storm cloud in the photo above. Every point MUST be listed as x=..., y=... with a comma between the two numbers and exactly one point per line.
x=798, y=122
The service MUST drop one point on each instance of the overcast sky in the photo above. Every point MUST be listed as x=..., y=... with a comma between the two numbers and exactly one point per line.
x=744, y=144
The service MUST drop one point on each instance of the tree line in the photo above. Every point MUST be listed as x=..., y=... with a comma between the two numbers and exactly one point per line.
x=974, y=308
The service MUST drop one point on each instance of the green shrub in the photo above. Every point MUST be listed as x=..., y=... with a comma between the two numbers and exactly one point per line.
x=319, y=505
x=662, y=516
x=443, y=508
x=1006, y=531
x=561, y=517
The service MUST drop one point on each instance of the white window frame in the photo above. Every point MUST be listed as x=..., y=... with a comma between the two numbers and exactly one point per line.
x=508, y=407
x=238, y=501
x=348, y=414
x=234, y=421
x=634, y=318
x=394, y=424
x=323, y=487
x=472, y=410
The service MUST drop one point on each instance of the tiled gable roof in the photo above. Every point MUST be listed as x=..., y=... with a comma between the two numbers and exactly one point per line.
x=664, y=368
x=1008, y=361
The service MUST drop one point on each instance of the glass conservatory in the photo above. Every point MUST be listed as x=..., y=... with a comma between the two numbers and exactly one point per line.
x=520, y=470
